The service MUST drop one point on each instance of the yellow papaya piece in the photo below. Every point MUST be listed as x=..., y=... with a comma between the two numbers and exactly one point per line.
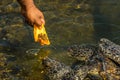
x=40, y=35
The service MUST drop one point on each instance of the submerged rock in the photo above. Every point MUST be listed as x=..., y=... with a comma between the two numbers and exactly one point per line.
x=102, y=61
x=6, y=46
x=82, y=52
x=110, y=49
x=54, y=69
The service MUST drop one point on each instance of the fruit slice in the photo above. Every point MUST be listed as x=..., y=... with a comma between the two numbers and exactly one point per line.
x=40, y=35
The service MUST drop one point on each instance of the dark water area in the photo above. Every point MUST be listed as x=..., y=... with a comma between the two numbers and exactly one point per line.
x=68, y=22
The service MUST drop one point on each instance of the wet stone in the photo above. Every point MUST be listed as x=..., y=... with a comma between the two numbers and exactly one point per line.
x=100, y=59
x=72, y=18
x=110, y=49
x=82, y=52
x=54, y=69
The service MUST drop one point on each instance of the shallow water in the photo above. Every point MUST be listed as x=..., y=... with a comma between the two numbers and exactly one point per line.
x=68, y=22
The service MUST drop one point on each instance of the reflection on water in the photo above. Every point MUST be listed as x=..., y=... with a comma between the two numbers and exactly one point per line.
x=68, y=22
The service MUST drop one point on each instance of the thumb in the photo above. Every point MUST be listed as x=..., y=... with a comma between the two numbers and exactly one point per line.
x=39, y=22
x=43, y=21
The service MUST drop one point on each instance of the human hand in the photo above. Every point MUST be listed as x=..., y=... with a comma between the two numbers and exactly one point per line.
x=33, y=16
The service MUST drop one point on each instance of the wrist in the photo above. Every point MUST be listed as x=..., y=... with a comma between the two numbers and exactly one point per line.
x=29, y=7
x=26, y=4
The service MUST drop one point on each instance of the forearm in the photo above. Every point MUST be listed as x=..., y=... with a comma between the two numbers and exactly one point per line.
x=31, y=13
x=26, y=4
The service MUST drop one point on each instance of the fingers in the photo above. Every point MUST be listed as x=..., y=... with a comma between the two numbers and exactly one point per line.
x=40, y=19
x=39, y=22
x=36, y=21
x=36, y=18
x=43, y=21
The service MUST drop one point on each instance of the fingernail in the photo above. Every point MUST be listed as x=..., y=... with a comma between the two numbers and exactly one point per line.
x=43, y=21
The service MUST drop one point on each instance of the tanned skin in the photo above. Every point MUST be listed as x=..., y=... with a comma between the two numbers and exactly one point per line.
x=31, y=13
